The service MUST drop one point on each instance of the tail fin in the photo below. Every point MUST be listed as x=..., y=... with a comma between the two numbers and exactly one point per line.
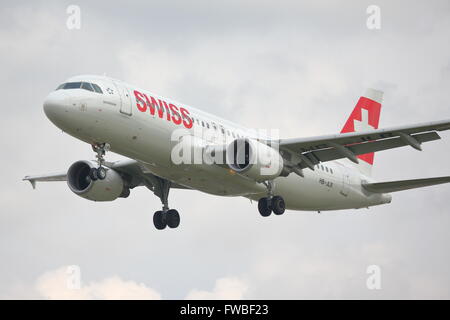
x=365, y=116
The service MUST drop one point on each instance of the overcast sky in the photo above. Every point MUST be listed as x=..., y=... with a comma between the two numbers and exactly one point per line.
x=264, y=64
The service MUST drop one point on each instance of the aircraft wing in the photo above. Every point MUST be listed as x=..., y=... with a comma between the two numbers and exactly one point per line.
x=61, y=176
x=133, y=171
x=311, y=151
x=393, y=186
x=139, y=174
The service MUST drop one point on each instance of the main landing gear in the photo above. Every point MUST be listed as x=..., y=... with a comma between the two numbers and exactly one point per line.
x=100, y=172
x=165, y=217
x=271, y=203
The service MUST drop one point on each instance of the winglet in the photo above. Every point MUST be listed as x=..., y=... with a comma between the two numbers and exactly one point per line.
x=32, y=181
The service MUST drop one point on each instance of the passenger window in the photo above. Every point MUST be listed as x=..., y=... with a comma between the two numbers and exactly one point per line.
x=321, y=166
x=207, y=125
x=214, y=126
x=96, y=88
x=331, y=170
x=222, y=129
x=87, y=86
x=203, y=124
x=72, y=85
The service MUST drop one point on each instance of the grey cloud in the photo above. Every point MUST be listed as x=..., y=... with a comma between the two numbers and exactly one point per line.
x=298, y=67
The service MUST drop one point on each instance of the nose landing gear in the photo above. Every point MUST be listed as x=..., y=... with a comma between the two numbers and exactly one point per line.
x=100, y=172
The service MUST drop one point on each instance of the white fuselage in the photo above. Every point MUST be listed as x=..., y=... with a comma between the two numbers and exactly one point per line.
x=114, y=117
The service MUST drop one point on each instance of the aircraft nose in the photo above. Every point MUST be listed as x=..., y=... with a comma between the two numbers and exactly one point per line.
x=54, y=102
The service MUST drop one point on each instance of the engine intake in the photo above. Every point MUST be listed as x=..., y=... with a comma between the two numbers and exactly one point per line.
x=80, y=183
x=253, y=159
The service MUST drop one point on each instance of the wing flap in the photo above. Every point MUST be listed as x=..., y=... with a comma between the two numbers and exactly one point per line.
x=373, y=146
x=394, y=186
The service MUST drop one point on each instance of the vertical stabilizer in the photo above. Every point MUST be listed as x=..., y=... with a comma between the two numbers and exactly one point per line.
x=365, y=116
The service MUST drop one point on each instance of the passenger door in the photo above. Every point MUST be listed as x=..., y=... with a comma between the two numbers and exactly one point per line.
x=125, y=99
x=345, y=181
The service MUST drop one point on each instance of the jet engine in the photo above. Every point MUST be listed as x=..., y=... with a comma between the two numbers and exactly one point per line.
x=253, y=159
x=108, y=189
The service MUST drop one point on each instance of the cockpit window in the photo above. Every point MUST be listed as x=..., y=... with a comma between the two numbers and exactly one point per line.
x=80, y=85
x=87, y=86
x=72, y=85
x=97, y=88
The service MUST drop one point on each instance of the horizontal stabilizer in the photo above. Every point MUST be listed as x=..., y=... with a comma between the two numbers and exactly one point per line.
x=393, y=186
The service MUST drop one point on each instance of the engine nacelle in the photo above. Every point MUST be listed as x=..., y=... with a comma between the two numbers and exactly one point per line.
x=253, y=159
x=80, y=183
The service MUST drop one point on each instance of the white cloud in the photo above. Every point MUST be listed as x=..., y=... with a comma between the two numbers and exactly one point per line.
x=53, y=285
x=224, y=288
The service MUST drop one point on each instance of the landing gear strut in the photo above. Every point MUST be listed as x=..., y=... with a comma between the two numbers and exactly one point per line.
x=100, y=172
x=165, y=217
x=271, y=203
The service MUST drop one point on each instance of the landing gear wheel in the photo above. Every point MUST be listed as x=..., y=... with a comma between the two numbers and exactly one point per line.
x=278, y=205
x=93, y=174
x=159, y=220
x=173, y=218
x=166, y=217
x=101, y=173
x=264, y=207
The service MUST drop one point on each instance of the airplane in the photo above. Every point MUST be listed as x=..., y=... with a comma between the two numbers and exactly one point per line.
x=330, y=172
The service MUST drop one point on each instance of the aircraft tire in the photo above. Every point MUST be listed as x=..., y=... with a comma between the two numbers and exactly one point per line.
x=93, y=174
x=159, y=220
x=173, y=218
x=264, y=207
x=278, y=205
x=101, y=173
